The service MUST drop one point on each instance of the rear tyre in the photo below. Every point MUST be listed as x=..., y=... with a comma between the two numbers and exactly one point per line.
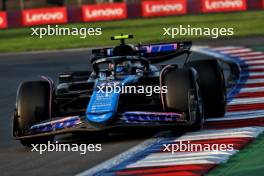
x=32, y=106
x=212, y=84
x=184, y=95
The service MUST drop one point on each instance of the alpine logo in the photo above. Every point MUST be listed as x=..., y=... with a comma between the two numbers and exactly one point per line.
x=44, y=16
x=163, y=8
x=223, y=5
x=104, y=12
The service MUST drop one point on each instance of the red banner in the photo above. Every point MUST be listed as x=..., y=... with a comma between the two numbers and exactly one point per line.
x=104, y=12
x=44, y=16
x=263, y=4
x=3, y=20
x=223, y=5
x=163, y=8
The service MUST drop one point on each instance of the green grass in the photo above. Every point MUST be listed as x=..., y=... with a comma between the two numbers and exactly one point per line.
x=248, y=161
x=259, y=48
x=145, y=30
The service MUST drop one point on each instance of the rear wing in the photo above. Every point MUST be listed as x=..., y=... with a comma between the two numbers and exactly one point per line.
x=164, y=48
x=155, y=52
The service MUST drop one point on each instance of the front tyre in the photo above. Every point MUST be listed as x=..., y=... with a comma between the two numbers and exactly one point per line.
x=184, y=95
x=33, y=105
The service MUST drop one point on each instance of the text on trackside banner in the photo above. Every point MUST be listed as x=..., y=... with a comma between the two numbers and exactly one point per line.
x=163, y=8
x=42, y=16
x=223, y=5
x=104, y=12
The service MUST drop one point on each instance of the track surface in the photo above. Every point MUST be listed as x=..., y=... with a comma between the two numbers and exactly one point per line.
x=242, y=123
x=16, y=160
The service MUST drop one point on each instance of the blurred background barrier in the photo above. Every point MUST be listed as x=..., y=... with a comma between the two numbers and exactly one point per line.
x=19, y=13
x=40, y=16
x=3, y=20
x=223, y=6
x=163, y=8
x=113, y=11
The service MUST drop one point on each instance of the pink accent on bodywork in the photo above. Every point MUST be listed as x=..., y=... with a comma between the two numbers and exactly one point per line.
x=161, y=81
x=50, y=96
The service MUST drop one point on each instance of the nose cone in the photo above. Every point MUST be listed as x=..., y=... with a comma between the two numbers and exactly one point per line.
x=99, y=118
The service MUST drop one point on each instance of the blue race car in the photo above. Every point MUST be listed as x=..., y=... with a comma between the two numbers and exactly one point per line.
x=128, y=88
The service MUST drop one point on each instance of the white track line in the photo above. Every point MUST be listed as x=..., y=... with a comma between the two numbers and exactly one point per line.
x=251, y=89
x=252, y=57
x=242, y=101
x=163, y=155
x=254, y=62
x=239, y=116
x=107, y=165
x=195, y=158
x=227, y=48
x=251, y=81
x=246, y=54
x=255, y=66
x=236, y=51
x=238, y=113
x=253, y=74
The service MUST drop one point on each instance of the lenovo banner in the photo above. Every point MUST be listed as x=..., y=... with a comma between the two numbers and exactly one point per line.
x=163, y=8
x=3, y=20
x=104, y=12
x=44, y=16
x=223, y=5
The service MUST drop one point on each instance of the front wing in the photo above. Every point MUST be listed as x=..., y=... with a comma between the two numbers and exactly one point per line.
x=124, y=121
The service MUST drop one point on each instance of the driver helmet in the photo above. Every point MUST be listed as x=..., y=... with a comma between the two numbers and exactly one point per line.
x=121, y=68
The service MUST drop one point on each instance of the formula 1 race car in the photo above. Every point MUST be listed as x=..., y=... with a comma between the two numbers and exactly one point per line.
x=127, y=88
